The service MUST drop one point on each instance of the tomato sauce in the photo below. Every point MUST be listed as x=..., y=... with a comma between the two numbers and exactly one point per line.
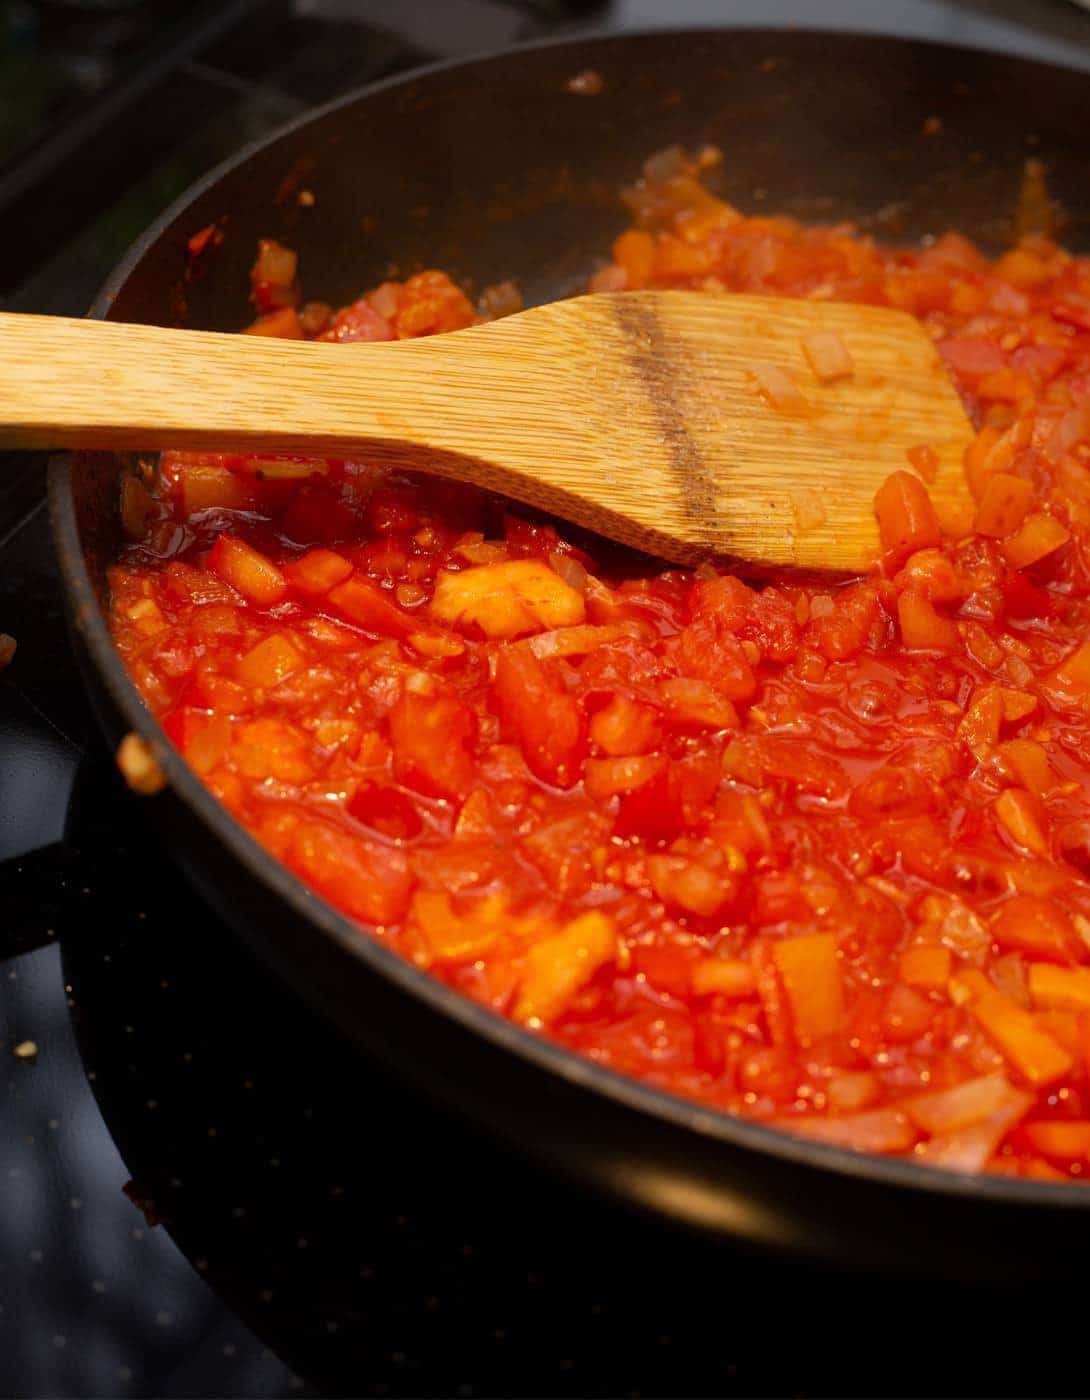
x=815, y=853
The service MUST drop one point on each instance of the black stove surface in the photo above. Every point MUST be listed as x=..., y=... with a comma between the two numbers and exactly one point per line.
x=202, y=1191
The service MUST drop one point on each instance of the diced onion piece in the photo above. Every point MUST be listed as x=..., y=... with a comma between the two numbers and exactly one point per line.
x=624, y=727
x=504, y=600
x=968, y=1149
x=881, y=1130
x=275, y=264
x=829, y=357
x=385, y=299
x=139, y=766
x=979, y=730
x=501, y=299
x=283, y=324
x=570, y=570
x=610, y=278
x=665, y=164
x=634, y=252
x=809, y=509
x=208, y=486
x=779, y=390
x=572, y=641
x=695, y=702
x=852, y=1091
x=945, y=1110
x=314, y=317
x=208, y=742
x=692, y=885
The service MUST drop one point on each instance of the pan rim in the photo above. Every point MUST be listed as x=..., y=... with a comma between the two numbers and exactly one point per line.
x=544, y=1055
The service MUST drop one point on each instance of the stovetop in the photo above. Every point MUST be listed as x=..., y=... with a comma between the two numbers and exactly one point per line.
x=202, y=1190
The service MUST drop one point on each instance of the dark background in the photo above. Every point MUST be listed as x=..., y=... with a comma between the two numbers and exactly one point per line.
x=201, y=1192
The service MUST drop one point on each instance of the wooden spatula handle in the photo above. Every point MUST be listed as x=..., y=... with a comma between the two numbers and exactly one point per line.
x=99, y=384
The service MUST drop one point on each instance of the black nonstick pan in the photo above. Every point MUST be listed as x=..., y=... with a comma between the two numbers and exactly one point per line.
x=497, y=169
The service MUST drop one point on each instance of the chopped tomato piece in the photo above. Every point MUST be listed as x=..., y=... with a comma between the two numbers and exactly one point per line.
x=317, y=571
x=268, y=663
x=540, y=715
x=1032, y=1052
x=1037, y=927
x=371, y=608
x=1064, y=1139
x=810, y=968
x=1003, y=505
x=256, y=577
x=369, y=879
x=430, y=738
x=906, y=517
x=923, y=627
x=673, y=799
x=558, y=966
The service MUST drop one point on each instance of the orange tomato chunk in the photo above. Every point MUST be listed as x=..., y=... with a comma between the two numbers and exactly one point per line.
x=906, y=517
x=810, y=968
x=256, y=577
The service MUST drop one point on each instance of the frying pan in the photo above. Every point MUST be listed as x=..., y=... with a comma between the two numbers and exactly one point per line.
x=494, y=169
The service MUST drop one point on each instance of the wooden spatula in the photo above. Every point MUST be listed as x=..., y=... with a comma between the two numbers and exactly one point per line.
x=688, y=424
